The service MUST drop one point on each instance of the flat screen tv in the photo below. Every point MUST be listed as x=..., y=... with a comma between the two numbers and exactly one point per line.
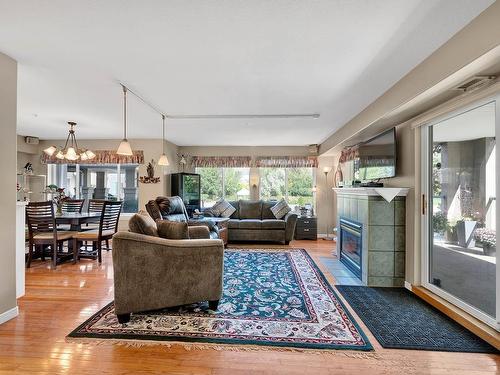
x=377, y=157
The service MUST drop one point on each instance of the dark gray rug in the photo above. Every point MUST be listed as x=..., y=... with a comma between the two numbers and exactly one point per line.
x=400, y=320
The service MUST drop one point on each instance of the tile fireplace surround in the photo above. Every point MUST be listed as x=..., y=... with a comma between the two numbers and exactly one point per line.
x=383, y=233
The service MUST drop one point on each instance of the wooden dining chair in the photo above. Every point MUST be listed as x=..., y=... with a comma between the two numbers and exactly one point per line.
x=42, y=230
x=108, y=226
x=72, y=205
x=95, y=206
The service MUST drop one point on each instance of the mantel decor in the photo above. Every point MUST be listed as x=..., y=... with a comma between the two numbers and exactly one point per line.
x=150, y=178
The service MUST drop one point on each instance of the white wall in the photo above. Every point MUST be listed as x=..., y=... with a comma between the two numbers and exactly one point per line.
x=8, y=114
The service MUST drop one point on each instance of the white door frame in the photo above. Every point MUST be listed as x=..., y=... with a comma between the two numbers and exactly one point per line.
x=427, y=202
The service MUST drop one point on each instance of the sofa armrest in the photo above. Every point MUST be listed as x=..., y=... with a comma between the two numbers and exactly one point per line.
x=291, y=222
x=152, y=272
x=198, y=232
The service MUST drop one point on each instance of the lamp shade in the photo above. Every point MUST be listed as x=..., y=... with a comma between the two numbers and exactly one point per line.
x=71, y=154
x=83, y=156
x=163, y=160
x=124, y=148
x=50, y=150
x=90, y=154
x=327, y=169
x=60, y=155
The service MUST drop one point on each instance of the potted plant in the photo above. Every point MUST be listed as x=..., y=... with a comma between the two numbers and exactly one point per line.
x=439, y=223
x=488, y=239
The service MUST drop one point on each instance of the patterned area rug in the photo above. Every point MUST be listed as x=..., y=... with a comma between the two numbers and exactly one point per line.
x=271, y=297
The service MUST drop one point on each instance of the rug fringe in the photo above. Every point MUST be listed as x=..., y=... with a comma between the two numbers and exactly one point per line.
x=219, y=347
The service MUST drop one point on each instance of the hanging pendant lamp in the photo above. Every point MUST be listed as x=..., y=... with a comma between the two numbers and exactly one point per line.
x=163, y=160
x=124, y=147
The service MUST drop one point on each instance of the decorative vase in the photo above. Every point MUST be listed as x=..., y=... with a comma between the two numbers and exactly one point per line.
x=59, y=209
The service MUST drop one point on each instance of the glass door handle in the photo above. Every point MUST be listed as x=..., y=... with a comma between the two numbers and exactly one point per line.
x=424, y=205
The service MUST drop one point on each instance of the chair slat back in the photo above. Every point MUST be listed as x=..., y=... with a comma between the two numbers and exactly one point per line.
x=72, y=205
x=110, y=216
x=40, y=217
x=95, y=205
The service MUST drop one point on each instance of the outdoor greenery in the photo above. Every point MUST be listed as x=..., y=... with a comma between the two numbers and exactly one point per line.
x=273, y=182
x=235, y=181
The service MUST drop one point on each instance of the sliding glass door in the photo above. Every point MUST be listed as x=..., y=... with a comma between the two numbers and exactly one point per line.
x=460, y=189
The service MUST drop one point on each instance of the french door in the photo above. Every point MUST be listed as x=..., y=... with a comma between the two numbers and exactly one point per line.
x=460, y=183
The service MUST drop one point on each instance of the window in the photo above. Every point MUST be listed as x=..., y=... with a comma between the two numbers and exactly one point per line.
x=293, y=184
x=227, y=183
x=98, y=181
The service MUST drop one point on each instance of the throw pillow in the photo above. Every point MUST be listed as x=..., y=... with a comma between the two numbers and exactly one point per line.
x=173, y=230
x=142, y=223
x=222, y=209
x=280, y=209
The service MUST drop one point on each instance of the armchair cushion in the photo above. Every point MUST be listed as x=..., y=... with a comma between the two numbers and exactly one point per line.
x=142, y=223
x=199, y=232
x=173, y=230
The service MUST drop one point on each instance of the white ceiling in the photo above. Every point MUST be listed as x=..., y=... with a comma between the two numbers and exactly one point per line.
x=331, y=57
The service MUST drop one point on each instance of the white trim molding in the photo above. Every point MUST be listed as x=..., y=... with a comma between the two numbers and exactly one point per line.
x=408, y=285
x=9, y=314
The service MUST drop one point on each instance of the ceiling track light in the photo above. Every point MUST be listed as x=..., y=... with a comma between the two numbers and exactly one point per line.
x=163, y=160
x=70, y=151
x=124, y=147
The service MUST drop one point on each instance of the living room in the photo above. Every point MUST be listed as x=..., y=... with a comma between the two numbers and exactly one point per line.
x=280, y=188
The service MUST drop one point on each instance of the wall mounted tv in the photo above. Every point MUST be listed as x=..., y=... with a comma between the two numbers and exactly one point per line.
x=377, y=157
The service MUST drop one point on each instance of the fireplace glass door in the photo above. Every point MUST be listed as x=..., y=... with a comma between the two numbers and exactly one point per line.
x=351, y=245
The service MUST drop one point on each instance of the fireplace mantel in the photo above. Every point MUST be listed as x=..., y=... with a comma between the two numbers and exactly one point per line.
x=369, y=191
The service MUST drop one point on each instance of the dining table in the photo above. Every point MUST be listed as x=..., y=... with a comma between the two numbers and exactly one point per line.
x=76, y=219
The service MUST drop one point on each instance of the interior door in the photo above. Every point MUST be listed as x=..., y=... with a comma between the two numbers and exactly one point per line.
x=461, y=186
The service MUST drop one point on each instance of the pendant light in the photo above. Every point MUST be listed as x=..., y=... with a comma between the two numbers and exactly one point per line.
x=163, y=160
x=124, y=148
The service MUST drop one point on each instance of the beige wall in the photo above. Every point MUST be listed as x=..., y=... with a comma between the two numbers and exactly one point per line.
x=476, y=39
x=324, y=197
x=8, y=113
x=152, y=150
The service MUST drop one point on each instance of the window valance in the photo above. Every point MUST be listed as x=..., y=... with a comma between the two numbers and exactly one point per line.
x=221, y=161
x=102, y=157
x=348, y=154
x=286, y=162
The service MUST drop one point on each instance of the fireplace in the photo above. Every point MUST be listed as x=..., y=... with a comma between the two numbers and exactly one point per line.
x=351, y=244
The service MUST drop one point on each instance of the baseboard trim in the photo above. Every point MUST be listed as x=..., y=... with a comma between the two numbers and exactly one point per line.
x=408, y=286
x=9, y=314
x=466, y=320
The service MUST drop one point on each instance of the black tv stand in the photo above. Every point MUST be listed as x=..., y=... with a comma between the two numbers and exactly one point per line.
x=371, y=184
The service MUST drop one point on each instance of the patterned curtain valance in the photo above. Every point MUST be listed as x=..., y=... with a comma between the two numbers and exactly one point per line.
x=102, y=157
x=286, y=162
x=348, y=154
x=221, y=161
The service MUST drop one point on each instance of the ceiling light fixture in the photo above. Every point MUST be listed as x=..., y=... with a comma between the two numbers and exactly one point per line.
x=124, y=147
x=70, y=151
x=163, y=160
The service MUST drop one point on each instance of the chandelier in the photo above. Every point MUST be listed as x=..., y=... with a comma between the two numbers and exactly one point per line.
x=70, y=151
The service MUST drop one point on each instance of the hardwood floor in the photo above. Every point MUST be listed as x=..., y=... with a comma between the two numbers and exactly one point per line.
x=57, y=301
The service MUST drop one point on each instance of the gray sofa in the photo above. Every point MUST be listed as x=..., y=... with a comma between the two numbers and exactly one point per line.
x=254, y=221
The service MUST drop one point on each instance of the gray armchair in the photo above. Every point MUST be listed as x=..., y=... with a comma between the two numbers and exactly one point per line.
x=153, y=273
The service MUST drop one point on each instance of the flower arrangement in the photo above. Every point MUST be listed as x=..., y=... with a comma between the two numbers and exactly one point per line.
x=59, y=197
x=486, y=236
